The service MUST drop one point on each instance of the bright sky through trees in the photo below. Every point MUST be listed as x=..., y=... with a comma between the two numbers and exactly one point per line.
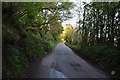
x=75, y=18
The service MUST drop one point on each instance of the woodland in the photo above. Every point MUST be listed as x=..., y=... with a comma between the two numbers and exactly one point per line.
x=31, y=30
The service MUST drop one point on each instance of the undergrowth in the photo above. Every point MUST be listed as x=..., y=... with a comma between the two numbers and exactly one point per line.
x=104, y=56
x=16, y=56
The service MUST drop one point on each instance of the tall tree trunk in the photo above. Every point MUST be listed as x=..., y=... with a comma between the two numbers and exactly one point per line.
x=83, y=29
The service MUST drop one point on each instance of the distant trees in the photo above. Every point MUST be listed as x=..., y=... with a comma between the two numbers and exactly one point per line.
x=69, y=33
x=100, y=24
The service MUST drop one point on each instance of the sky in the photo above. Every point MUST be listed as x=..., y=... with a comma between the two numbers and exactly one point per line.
x=75, y=18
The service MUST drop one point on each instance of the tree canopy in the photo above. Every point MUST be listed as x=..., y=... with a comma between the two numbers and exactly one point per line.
x=30, y=30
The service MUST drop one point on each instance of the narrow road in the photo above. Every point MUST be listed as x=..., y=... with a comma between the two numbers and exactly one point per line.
x=63, y=63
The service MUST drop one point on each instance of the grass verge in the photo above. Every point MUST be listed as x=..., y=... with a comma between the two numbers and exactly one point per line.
x=103, y=56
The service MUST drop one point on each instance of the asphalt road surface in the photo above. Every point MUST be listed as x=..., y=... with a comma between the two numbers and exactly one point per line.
x=63, y=63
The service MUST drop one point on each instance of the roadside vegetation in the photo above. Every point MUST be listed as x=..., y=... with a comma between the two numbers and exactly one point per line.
x=30, y=31
x=102, y=56
x=97, y=36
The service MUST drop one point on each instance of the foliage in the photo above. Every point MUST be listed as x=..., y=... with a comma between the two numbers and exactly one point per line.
x=12, y=60
x=30, y=30
x=99, y=24
x=103, y=56
x=98, y=34
x=75, y=47
x=68, y=33
x=32, y=46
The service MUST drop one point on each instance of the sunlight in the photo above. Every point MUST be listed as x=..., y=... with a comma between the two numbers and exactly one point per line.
x=67, y=28
x=75, y=16
x=62, y=40
x=64, y=26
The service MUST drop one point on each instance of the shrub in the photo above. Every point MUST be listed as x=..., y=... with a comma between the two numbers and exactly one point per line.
x=16, y=56
x=32, y=47
x=11, y=61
